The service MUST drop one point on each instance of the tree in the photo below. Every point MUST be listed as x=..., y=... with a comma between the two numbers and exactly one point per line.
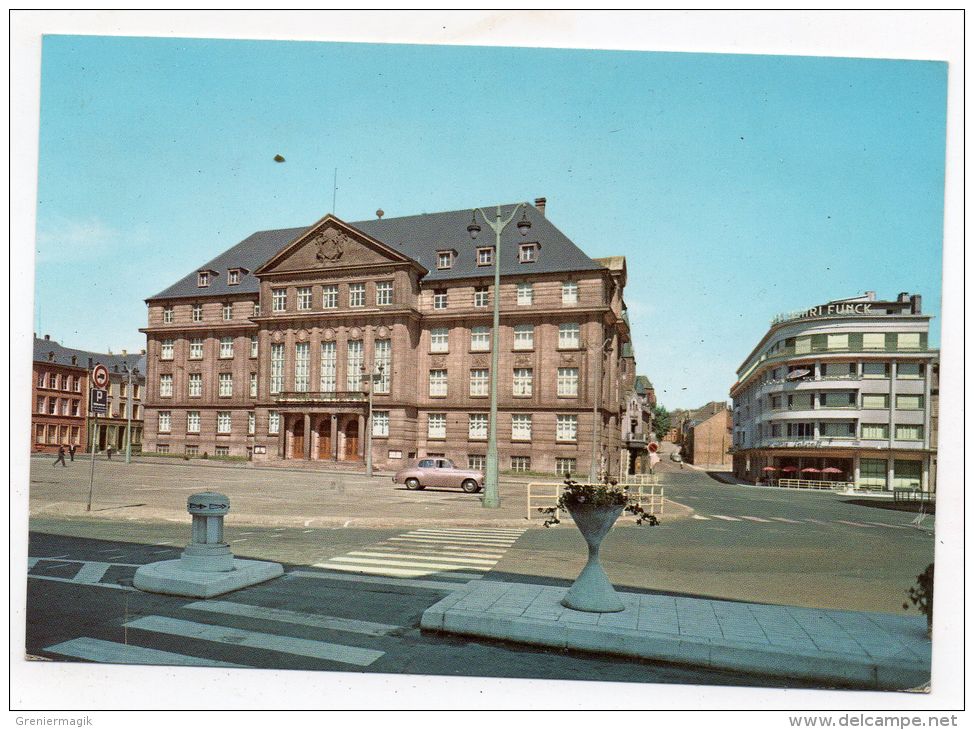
x=661, y=421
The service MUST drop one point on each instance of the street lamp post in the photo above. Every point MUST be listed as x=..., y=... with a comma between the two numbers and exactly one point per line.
x=128, y=407
x=491, y=494
x=373, y=379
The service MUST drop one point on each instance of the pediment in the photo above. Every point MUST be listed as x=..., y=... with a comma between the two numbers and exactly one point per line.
x=331, y=244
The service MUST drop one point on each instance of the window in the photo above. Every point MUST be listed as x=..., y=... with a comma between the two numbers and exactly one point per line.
x=837, y=430
x=226, y=347
x=476, y=461
x=167, y=350
x=568, y=336
x=438, y=383
x=278, y=300
x=256, y=309
x=65, y=407
x=444, y=259
x=227, y=312
x=838, y=370
x=477, y=426
x=776, y=403
x=523, y=381
x=439, y=299
x=380, y=423
x=907, y=474
x=528, y=253
x=165, y=385
x=223, y=421
x=875, y=370
x=195, y=385
x=383, y=362
x=909, y=402
x=253, y=345
x=566, y=428
x=520, y=464
x=41, y=402
x=167, y=315
x=525, y=294
x=273, y=422
x=302, y=366
x=197, y=312
x=524, y=337
x=875, y=400
x=356, y=295
x=909, y=370
x=233, y=277
x=304, y=297
x=909, y=433
x=226, y=385
x=76, y=408
x=192, y=450
x=355, y=360
x=568, y=382
x=480, y=339
x=908, y=341
x=569, y=292
x=874, y=431
x=203, y=278
x=329, y=372
x=222, y=451
x=329, y=296
x=436, y=426
x=565, y=466
x=521, y=427
x=162, y=448
x=77, y=387
x=383, y=293
x=277, y=367
x=801, y=430
x=480, y=382
x=872, y=473
x=481, y=296
x=485, y=256
x=775, y=430
x=439, y=339
x=196, y=348
x=251, y=423
x=873, y=341
x=253, y=385
x=192, y=421
x=837, y=400
x=837, y=342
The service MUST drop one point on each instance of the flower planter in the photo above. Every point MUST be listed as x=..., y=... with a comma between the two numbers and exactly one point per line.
x=592, y=590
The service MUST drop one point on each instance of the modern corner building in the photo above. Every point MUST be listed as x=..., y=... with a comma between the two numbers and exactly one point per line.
x=268, y=350
x=845, y=391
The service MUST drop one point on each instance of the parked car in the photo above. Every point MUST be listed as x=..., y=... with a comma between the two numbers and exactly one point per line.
x=675, y=456
x=439, y=472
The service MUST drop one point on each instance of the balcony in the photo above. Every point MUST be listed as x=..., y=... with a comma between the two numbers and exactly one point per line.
x=318, y=397
x=636, y=439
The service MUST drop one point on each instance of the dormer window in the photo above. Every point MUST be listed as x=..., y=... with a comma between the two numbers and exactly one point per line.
x=74, y=359
x=528, y=253
x=203, y=278
x=50, y=357
x=233, y=277
x=444, y=259
x=485, y=256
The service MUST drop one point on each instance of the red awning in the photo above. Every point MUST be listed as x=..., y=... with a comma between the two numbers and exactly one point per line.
x=832, y=470
x=789, y=468
x=770, y=468
x=811, y=470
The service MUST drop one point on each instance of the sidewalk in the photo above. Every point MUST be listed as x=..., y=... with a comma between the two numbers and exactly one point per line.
x=838, y=648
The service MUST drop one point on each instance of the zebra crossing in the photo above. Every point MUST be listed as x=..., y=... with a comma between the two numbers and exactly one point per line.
x=744, y=519
x=455, y=553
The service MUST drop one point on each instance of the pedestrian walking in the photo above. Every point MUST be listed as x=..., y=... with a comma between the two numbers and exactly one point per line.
x=71, y=450
x=109, y=450
x=60, y=457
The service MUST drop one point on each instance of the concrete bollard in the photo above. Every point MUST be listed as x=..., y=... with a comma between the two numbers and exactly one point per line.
x=207, y=567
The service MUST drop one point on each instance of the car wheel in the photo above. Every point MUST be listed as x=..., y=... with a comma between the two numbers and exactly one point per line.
x=413, y=484
x=470, y=486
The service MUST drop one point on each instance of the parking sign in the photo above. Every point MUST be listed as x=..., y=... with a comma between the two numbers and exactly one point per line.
x=99, y=401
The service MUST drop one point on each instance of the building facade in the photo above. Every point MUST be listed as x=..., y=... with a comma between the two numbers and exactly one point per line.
x=707, y=435
x=840, y=392
x=60, y=383
x=269, y=351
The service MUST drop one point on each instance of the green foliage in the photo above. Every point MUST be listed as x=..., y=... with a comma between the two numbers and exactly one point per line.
x=605, y=494
x=921, y=595
x=661, y=421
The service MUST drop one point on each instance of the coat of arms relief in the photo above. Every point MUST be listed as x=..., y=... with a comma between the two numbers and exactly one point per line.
x=330, y=246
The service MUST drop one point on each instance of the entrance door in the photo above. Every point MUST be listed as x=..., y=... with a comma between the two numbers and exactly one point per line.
x=324, y=440
x=297, y=440
x=351, y=440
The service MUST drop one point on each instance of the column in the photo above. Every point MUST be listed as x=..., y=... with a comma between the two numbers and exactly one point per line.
x=334, y=437
x=889, y=473
x=361, y=435
x=307, y=436
x=281, y=428
x=855, y=469
x=925, y=475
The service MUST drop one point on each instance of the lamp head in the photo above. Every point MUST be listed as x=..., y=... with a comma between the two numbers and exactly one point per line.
x=474, y=228
x=524, y=225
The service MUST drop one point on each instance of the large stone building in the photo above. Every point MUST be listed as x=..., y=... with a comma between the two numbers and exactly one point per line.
x=845, y=391
x=60, y=398
x=266, y=350
x=706, y=435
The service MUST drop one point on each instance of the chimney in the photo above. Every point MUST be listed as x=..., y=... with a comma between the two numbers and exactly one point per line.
x=903, y=297
x=124, y=353
x=142, y=351
x=540, y=203
x=47, y=337
x=870, y=296
x=379, y=213
x=915, y=302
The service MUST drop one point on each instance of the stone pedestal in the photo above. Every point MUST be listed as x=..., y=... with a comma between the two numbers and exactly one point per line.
x=207, y=567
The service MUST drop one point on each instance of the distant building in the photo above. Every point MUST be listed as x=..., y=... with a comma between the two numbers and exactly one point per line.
x=707, y=435
x=845, y=391
x=60, y=386
x=675, y=433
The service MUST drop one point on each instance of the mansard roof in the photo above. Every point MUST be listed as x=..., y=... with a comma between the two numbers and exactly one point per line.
x=50, y=351
x=418, y=237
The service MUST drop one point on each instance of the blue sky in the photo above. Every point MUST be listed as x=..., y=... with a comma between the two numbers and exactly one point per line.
x=736, y=186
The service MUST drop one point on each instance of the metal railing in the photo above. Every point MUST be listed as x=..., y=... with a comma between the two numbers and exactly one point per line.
x=814, y=484
x=542, y=495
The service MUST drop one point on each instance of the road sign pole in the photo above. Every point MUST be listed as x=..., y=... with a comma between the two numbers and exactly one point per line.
x=91, y=479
